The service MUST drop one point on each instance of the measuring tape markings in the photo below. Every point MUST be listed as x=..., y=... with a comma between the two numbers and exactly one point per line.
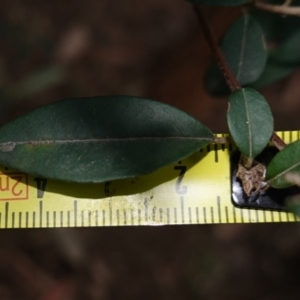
x=194, y=191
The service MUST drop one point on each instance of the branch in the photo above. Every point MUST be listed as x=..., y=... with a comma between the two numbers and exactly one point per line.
x=222, y=140
x=283, y=9
x=217, y=52
x=277, y=141
x=224, y=66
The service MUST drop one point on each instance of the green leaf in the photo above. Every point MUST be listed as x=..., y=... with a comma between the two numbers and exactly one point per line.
x=243, y=47
x=250, y=121
x=38, y=81
x=283, y=35
x=214, y=81
x=273, y=72
x=293, y=205
x=289, y=51
x=100, y=139
x=284, y=162
x=267, y=22
x=221, y=3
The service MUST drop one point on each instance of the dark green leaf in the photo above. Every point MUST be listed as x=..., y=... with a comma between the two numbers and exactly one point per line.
x=284, y=162
x=214, y=81
x=100, y=139
x=283, y=35
x=293, y=205
x=243, y=47
x=273, y=72
x=289, y=50
x=267, y=22
x=39, y=80
x=221, y=3
x=250, y=121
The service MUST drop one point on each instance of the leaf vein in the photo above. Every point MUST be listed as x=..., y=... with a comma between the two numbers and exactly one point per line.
x=241, y=62
x=248, y=125
x=284, y=172
x=9, y=146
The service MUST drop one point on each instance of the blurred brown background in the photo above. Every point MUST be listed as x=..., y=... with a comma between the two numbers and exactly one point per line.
x=50, y=50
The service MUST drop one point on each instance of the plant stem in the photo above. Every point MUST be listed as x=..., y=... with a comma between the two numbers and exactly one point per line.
x=283, y=9
x=222, y=140
x=217, y=52
x=224, y=66
x=277, y=141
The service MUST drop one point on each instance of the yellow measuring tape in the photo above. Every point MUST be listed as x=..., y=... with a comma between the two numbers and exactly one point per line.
x=196, y=190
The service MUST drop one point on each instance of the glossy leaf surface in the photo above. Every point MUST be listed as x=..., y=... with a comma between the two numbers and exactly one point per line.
x=250, y=121
x=221, y=3
x=284, y=162
x=243, y=47
x=100, y=139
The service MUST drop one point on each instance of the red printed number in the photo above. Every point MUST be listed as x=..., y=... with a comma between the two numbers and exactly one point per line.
x=13, y=186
